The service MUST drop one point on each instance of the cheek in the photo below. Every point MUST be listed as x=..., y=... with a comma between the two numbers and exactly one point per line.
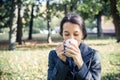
x=65, y=37
x=79, y=39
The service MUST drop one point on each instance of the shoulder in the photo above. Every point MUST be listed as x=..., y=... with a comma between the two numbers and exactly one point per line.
x=96, y=56
x=52, y=58
x=53, y=54
x=88, y=52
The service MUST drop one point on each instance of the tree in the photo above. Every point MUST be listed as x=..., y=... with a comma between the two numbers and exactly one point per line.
x=52, y=8
x=13, y=25
x=31, y=23
x=49, y=40
x=85, y=9
x=98, y=24
x=5, y=13
x=19, y=24
x=92, y=9
x=10, y=12
x=116, y=18
x=33, y=4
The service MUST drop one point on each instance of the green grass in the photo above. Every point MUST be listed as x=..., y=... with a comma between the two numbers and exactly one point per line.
x=24, y=65
x=30, y=61
x=110, y=57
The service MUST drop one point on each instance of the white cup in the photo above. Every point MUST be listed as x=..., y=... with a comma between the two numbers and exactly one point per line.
x=68, y=41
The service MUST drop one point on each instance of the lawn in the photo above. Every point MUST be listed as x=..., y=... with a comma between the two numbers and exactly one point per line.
x=30, y=61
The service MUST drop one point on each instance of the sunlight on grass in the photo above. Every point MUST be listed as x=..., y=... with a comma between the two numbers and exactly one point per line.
x=28, y=65
x=31, y=63
x=110, y=57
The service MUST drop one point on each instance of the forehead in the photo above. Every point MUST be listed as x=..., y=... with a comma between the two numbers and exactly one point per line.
x=71, y=27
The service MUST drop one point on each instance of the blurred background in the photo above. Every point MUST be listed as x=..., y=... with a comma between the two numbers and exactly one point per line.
x=29, y=29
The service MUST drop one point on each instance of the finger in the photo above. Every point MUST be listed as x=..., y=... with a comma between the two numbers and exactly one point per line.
x=60, y=47
x=71, y=51
x=73, y=44
x=64, y=41
x=72, y=48
x=61, y=55
x=68, y=54
x=59, y=51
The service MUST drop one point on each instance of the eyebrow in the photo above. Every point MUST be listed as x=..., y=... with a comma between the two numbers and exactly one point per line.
x=68, y=32
x=65, y=31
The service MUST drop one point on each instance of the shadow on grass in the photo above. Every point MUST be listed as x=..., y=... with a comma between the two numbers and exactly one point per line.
x=4, y=44
x=40, y=41
x=104, y=36
x=111, y=76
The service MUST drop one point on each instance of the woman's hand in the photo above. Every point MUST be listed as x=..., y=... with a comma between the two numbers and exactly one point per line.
x=60, y=52
x=73, y=51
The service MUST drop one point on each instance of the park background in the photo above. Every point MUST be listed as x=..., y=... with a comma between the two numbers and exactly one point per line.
x=29, y=29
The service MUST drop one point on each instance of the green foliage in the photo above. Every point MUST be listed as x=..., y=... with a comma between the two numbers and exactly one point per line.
x=88, y=9
x=26, y=16
x=40, y=23
x=5, y=12
x=118, y=6
x=90, y=24
x=55, y=22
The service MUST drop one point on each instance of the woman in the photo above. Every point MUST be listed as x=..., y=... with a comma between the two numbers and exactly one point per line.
x=71, y=60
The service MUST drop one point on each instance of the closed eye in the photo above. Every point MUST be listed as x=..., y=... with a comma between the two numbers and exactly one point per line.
x=66, y=34
x=76, y=34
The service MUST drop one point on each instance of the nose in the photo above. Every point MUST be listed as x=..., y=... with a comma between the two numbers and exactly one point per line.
x=72, y=36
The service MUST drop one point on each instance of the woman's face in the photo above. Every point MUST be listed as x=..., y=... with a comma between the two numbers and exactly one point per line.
x=71, y=30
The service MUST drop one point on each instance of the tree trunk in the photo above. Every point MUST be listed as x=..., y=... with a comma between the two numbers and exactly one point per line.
x=65, y=8
x=73, y=6
x=49, y=40
x=116, y=18
x=13, y=26
x=19, y=26
x=31, y=24
x=98, y=23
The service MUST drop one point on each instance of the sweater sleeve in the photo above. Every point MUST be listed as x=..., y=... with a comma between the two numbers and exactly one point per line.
x=57, y=70
x=92, y=73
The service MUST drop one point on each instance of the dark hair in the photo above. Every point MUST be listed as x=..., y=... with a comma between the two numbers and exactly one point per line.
x=75, y=19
